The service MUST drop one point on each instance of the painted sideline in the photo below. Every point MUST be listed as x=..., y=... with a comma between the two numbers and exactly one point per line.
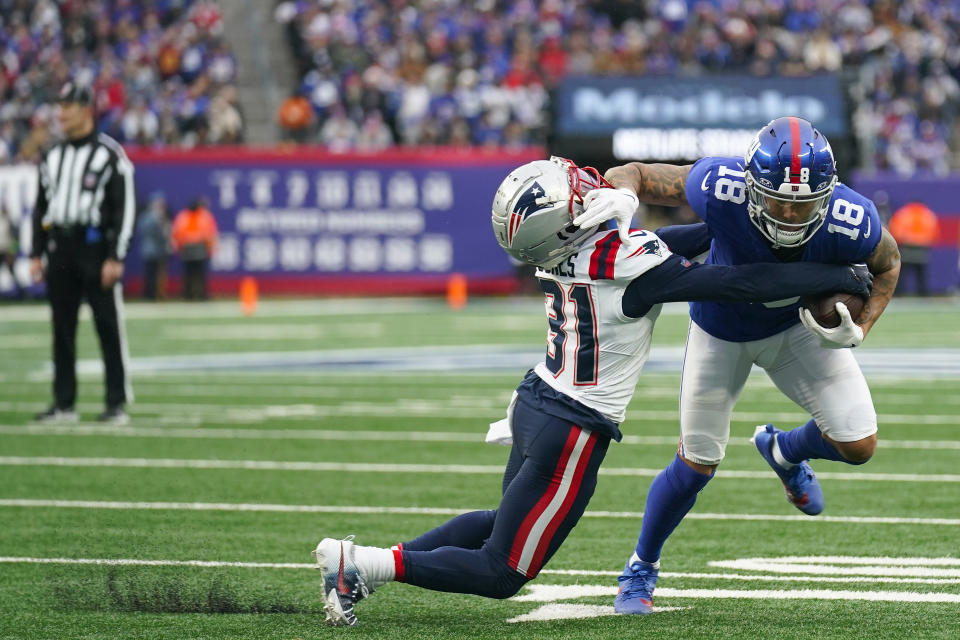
x=179, y=411
x=233, y=433
x=440, y=511
x=552, y=593
x=556, y=572
x=365, y=467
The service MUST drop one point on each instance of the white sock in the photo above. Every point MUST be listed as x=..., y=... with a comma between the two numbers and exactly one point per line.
x=778, y=456
x=376, y=564
x=636, y=558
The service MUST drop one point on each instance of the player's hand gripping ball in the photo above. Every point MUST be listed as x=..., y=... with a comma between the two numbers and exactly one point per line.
x=824, y=308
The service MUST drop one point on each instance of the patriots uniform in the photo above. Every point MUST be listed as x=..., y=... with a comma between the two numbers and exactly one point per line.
x=594, y=351
x=716, y=190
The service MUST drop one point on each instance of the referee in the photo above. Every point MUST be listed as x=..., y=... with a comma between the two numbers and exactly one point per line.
x=82, y=222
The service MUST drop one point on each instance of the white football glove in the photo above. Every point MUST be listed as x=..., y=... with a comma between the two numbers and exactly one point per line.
x=601, y=205
x=847, y=334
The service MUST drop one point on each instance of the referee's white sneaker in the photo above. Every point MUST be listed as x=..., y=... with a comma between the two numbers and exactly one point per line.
x=53, y=415
x=114, y=415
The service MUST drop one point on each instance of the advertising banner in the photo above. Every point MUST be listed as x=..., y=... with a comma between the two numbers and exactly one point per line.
x=684, y=118
x=311, y=222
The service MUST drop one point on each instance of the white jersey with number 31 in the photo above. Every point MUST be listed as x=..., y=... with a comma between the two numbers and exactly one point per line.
x=594, y=352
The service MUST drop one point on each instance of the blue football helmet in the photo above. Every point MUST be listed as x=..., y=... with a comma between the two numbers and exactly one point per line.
x=790, y=176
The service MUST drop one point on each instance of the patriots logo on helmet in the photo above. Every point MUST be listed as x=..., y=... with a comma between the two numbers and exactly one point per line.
x=526, y=204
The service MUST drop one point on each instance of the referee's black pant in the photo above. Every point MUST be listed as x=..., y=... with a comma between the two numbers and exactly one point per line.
x=75, y=259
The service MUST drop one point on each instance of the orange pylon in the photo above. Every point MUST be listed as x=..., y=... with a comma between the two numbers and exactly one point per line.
x=248, y=295
x=457, y=291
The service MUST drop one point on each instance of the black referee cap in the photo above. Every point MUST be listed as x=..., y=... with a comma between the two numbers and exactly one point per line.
x=73, y=92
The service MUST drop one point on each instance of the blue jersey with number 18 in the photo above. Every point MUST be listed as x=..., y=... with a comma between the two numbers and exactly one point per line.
x=718, y=194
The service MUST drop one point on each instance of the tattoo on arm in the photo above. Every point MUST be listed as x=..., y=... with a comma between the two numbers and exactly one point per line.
x=884, y=264
x=663, y=184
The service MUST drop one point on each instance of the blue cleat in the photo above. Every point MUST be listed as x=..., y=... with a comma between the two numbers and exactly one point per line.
x=799, y=482
x=636, y=588
x=343, y=585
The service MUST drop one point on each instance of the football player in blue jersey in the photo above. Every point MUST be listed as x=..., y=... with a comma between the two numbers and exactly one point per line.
x=781, y=203
x=602, y=298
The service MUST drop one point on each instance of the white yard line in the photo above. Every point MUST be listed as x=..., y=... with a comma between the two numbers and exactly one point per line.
x=265, y=309
x=551, y=593
x=761, y=578
x=864, y=560
x=424, y=408
x=369, y=467
x=763, y=564
x=133, y=562
x=536, y=592
x=280, y=332
x=146, y=430
x=437, y=511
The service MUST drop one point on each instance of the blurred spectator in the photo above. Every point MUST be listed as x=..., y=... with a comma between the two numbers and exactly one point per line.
x=140, y=125
x=154, y=231
x=429, y=67
x=226, y=125
x=8, y=248
x=339, y=133
x=374, y=134
x=295, y=117
x=915, y=228
x=194, y=238
x=154, y=66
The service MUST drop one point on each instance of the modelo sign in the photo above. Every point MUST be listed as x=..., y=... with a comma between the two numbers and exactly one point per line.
x=677, y=118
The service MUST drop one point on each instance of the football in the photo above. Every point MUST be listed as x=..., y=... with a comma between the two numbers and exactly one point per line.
x=823, y=308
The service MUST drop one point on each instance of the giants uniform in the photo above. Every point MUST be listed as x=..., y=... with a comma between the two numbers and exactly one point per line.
x=601, y=306
x=727, y=338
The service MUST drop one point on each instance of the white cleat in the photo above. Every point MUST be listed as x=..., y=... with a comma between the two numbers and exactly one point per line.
x=343, y=586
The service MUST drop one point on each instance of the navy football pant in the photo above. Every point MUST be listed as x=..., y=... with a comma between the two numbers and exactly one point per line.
x=550, y=477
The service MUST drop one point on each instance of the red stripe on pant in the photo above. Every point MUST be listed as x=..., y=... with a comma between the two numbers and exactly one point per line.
x=524, y=532
x=561, y=514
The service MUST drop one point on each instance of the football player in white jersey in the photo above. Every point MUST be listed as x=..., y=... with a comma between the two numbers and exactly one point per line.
x=602, y=298
x=780, y=204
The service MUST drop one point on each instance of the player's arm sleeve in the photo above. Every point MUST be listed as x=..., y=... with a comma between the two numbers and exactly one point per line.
x=687, y=240
x=120, y=208
x=677, y=279
x=39, y=238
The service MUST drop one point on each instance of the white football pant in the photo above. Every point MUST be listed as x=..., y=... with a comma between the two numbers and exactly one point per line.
x=827, y=383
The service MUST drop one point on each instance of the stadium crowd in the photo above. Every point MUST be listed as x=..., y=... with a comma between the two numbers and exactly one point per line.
x=161, y=71
x=383, y=72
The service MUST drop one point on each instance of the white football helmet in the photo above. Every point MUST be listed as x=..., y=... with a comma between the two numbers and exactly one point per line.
x=535, y=206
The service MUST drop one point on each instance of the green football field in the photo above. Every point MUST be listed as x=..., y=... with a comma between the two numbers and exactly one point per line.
x=253, y=437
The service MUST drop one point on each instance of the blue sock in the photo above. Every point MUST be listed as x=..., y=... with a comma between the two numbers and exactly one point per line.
x=672, y=494
x=806, y=442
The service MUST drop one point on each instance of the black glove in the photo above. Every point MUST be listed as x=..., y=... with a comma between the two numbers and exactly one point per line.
x=861, y=280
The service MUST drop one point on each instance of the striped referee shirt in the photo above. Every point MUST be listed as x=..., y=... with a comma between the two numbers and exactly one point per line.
x=86, y=182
